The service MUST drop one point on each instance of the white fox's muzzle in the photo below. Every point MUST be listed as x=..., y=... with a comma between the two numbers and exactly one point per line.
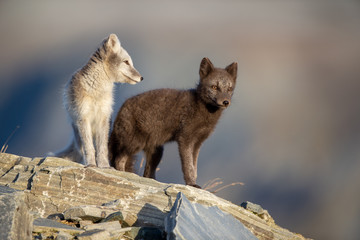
x=134, y=80
x=131, y=75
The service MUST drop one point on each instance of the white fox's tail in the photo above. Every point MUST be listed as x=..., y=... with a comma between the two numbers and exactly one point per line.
x=69, y=153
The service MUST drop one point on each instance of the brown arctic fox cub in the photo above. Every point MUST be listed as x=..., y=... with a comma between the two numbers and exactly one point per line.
x=149, y=120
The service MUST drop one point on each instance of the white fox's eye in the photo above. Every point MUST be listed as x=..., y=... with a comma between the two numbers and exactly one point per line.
x=214, y=87
x=127, y=62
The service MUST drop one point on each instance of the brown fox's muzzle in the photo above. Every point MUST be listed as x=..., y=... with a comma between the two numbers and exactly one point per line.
x=223, y=103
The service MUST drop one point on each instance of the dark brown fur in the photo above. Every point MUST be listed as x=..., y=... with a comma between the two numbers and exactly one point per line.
x=149, y=120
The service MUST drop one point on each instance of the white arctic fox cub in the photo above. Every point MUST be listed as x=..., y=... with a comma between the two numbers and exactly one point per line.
x=88, y=99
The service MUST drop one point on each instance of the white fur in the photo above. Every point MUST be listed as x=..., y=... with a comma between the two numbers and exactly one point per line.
x=88, y=99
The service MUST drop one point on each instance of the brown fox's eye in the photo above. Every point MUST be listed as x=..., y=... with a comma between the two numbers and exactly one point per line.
x=214, y=87
x=127, y=62
x=230, y=89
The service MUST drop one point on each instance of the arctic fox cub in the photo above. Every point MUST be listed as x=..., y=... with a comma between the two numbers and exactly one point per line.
x=88, y=100
x=149, y=120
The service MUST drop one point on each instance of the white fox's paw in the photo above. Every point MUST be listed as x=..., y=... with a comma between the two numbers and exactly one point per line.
x=108, y=168
x=103, y=165
x=90, y=165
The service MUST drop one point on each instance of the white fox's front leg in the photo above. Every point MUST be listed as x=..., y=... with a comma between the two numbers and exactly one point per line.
x=87, y=146
x=101, y=139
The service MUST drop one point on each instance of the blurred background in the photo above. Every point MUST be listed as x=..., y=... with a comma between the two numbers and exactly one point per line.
x=292, y=133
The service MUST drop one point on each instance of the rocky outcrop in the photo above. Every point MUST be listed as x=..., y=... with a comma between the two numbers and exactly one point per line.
x=15, y=220
x=211, y=222
x=53, y=186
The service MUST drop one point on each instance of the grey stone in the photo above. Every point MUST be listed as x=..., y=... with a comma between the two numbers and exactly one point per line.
x=258, y=211
x=84, y=223
x=64, y=236
x=255, y=208
x=188, y=221
x=96, y=234
x=108, y=226
x=48, y=225
x=15, y=219
x=88, y=212
x=113, y=228
x=116, y=216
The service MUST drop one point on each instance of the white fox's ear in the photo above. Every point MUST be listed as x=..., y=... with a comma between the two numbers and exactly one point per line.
x=232, y=70
x=205, y=67
x=113, y=43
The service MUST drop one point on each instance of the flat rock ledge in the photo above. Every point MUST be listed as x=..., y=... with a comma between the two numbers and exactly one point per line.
x=53, y=187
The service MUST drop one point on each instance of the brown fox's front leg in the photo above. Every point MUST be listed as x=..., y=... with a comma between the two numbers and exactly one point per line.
x=196, y=151
x=187, y=163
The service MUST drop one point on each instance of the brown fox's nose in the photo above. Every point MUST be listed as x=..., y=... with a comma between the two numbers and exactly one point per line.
x=141, y=78
x=226, y=103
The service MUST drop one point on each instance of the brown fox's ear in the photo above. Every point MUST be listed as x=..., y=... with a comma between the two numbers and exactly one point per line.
x=205, y=67
x=232, y=70
x=113, y=43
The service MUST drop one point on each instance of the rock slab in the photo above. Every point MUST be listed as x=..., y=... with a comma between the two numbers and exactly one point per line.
x=44, y=225
x=193, y=221
x=15, y=220
x=53, y=185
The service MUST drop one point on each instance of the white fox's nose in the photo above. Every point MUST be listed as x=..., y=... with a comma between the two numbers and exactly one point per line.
x=141, y=78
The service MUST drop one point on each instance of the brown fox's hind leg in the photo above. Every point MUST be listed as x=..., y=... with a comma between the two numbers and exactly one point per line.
x=153, y=158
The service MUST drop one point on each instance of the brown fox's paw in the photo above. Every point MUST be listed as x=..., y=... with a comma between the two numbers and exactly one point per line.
x=195, y=185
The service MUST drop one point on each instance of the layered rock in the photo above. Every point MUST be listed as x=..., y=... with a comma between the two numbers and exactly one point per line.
x=53, y=185
x=211, y=223
x=15, y=220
